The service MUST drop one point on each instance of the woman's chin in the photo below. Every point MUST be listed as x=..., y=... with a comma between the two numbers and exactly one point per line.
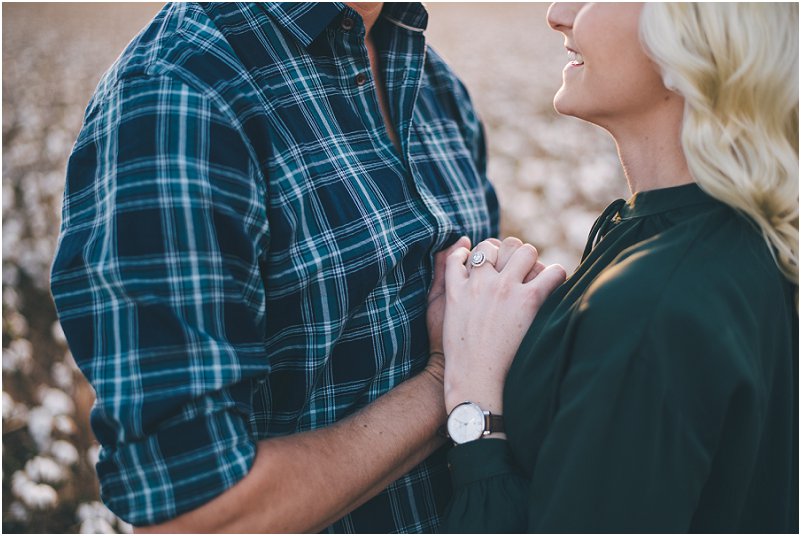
x=568, y=105
x=561, y=103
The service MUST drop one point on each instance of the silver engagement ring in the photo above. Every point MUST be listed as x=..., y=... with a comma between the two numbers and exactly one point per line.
x=477, y=259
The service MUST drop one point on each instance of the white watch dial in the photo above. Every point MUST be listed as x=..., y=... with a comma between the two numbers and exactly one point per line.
x=466, y=423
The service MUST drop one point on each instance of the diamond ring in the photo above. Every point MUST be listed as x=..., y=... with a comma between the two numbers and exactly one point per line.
x=477, y=259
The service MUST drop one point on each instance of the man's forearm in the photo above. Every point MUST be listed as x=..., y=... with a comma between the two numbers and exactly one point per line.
x=306, y=481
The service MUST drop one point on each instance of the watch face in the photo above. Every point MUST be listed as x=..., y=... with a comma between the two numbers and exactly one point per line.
x=466, y=423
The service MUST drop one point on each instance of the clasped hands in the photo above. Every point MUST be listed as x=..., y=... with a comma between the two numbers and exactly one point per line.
x=478, y=315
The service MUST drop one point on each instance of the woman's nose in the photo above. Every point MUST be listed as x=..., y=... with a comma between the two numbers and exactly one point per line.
x=561, y=14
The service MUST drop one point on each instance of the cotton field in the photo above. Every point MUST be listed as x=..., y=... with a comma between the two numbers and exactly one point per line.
x=553, y=176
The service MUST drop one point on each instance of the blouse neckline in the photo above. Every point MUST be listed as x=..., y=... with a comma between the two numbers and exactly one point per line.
x=652, y=202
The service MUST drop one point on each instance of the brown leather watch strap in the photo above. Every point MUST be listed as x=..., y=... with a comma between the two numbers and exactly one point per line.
x=493, y=424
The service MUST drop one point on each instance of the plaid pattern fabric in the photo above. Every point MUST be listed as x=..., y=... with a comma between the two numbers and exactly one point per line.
x=244, y=254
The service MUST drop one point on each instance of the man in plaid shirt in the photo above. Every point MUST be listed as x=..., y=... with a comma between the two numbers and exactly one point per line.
x=250, y=217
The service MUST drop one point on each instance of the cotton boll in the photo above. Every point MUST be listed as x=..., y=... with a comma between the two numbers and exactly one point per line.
x=41, y=469
x=62, y=375
x=18, y=512
x=40, y=426
x=64, y=424
x=18, y=356
x=16, y=324
x=20, y=412
x=90, y=510
x=57, y=144
x=96, y=526
x=12, y=231
x=8, y=406
x=42, y=496
x=85, y=511
x=10, y=298
x=37, y=496
x=93, y=513
x=33, y=261
x=93, y=455
x=23, y=348
x=56, y=401
x=9, y=360
x=64, y=452
x=104, y=513
x=19, y=482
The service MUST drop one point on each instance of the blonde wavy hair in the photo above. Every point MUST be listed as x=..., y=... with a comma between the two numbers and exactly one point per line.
x=736, y=66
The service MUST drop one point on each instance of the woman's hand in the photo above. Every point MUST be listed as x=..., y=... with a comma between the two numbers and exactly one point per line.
x=489, y=309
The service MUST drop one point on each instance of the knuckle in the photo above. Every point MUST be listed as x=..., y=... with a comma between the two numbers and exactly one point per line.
x=456, y=255
x=512, y=241
x=485, y=245
x=530, y=252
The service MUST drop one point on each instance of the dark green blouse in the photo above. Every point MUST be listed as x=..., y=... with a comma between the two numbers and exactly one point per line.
x=656, y=390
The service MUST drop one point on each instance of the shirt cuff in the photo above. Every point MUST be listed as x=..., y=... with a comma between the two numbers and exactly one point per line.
x=176, y=469
x=479, y=460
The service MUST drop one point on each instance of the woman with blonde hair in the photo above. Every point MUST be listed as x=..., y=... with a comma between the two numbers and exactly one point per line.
x=656, y=390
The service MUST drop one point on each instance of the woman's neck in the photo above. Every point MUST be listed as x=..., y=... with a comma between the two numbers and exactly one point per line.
x=650, y=149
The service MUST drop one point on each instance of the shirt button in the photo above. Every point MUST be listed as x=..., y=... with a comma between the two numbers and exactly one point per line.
x=361, y=78
x=347, y=24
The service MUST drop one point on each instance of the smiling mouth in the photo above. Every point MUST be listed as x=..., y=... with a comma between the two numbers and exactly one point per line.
x=575, y=57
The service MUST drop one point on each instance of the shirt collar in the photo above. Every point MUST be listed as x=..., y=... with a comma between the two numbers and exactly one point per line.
x=304, y=20
x=409, y=15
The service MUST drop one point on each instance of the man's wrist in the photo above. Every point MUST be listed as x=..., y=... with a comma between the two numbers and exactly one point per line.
x=430, y=380
x=436, y=366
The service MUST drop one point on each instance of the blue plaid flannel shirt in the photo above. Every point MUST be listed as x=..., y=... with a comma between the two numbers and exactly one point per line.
x=244, y=254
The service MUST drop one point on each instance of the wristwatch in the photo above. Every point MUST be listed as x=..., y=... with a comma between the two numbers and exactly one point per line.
x=468, y=422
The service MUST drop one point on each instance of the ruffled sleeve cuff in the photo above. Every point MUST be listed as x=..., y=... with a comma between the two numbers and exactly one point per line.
x=479, y=460
x=489, y=494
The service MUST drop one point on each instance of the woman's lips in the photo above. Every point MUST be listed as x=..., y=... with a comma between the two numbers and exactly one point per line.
x=576, y=59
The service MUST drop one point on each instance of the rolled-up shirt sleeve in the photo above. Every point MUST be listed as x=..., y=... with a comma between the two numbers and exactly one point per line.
x=159, y=288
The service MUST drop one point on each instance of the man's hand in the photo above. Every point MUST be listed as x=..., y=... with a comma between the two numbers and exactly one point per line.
x=436, y=296
x=436, y=310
